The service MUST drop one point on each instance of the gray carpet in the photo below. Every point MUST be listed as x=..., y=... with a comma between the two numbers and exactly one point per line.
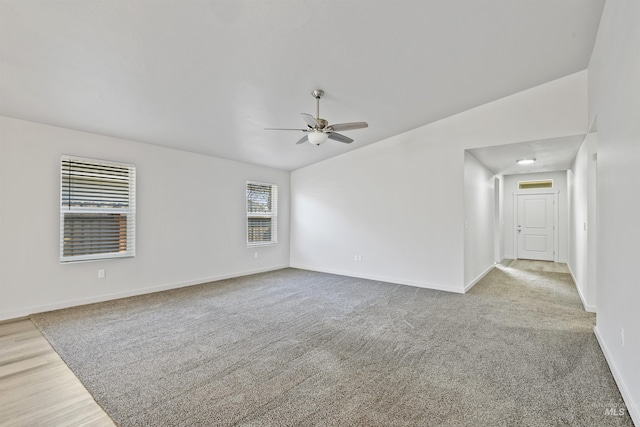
x=294, y=347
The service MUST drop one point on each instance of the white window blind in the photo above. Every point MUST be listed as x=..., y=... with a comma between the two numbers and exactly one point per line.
x=97, y=209
x=262, y=214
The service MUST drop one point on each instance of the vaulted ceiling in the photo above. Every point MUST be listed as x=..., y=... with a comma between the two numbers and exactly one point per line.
x=209, y=76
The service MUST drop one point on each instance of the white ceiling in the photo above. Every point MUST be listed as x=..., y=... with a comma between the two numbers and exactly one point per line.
x=555, y=154
x=208, y=76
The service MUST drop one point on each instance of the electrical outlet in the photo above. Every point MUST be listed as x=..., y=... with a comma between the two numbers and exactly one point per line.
x=355, y=257
x=622, y=336
x=101, y=274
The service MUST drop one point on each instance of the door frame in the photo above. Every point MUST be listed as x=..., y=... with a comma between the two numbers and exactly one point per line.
x=498, y=247
x=556, y=217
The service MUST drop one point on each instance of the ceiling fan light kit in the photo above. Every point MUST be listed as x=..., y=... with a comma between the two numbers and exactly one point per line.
x=317, y=137
x=319, y=130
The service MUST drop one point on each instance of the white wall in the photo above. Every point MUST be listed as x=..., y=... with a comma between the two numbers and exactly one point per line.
x=499, y=221
x=582, y=225
x=511, y=187
x=592, y=224
x=400, y=202
x=614, y=97
x=479, y=217
x=190, y=220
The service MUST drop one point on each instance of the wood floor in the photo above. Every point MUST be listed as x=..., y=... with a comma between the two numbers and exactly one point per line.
x=36, y=387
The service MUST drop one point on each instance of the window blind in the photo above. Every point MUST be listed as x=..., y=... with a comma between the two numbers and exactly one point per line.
x=262, y=218
x=97, y=209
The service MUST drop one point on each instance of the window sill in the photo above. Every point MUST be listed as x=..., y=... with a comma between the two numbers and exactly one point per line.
x=254, y=245
x=77, y=261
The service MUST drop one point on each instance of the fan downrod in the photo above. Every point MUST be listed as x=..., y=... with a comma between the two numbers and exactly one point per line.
x=317, y=94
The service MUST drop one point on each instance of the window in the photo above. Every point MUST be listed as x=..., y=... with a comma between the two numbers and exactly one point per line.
x=97, y=209
x=530, y=185
x=262, y=218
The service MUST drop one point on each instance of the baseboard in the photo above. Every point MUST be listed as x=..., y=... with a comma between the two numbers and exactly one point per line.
x=587, y=307
x=25, y=312
x=477, y=279
x=632, y=408
x=381, y=278
x=14, y=319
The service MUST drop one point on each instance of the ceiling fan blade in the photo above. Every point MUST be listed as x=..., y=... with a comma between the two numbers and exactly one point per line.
x=311, y=121
x=299, y=130
x=349, y=126
x=339, y=137
x=303, y=139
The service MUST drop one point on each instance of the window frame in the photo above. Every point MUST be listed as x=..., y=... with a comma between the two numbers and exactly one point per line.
x=272, y=214
x=536, y=184
x=128, y=213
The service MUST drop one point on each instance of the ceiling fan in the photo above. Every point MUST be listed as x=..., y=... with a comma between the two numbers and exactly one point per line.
x=319, y=130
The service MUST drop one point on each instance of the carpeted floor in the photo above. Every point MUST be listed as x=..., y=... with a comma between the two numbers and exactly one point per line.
x=295, y=347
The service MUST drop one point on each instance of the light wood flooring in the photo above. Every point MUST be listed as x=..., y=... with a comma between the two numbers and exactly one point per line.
x=36, y=387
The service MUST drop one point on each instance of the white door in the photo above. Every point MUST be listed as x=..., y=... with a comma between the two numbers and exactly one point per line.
x=535, y=226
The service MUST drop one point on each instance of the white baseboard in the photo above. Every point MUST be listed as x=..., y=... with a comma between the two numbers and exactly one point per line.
x=632, y=408
x=477, y=279
x=587, y=307
x=382, y=279
x=24, y=312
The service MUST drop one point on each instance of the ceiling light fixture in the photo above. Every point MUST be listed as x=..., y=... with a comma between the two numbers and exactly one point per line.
x=525, y=161
x=317, y=137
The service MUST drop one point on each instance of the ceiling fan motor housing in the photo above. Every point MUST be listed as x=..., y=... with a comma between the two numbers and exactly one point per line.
x=322, y=122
